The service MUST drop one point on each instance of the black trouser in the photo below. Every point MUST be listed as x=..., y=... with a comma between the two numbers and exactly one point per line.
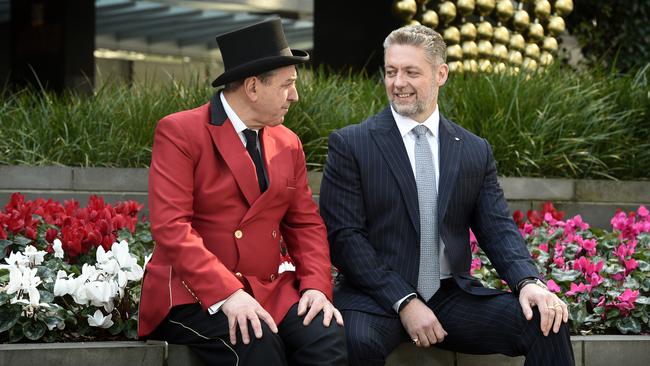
x=294, y=344
x=475, y=324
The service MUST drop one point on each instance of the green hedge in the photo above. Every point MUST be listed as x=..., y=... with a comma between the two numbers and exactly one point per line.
x=561, y=124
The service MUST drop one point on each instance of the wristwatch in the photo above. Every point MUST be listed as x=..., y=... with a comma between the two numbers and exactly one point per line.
x=529, y=280
x=406, y=301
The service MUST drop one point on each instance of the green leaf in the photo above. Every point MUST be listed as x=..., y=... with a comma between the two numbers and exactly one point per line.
x=9, y=317
x=117, y=327
x=46, y=296
x=4, y=297
x=53, y=321
x=3, y=247
x=628, y=325
x=631, y=283
x=131, y=329
x=21, y=240
x=643, y=266
x=16, y=334
x=578, y=313
x=643, y=300
x=34, y=330
x=565, y=276
x=44, y=272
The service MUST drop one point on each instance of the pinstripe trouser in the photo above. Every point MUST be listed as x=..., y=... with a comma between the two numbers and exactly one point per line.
x=475, y=325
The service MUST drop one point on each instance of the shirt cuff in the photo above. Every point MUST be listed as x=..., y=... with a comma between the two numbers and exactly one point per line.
x=216, y=307
x=399, y=302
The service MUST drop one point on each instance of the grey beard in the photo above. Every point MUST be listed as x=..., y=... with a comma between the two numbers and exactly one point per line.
x=407, y=110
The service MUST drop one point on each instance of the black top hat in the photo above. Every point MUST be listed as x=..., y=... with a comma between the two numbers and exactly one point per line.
x=255, y=49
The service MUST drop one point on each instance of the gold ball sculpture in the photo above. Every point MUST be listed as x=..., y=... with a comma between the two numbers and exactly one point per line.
x=501, y=35
x=485, y=30
x=563, y=7
x=465, y=7
x=404, y=9
x=430, y=19
x=492, y=35
x=468, y=31
x=447, y=11
x=505, y=10
x=485, y=7
x=542, y=9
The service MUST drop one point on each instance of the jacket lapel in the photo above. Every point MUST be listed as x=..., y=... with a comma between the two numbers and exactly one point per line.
x=227, y=142
x=391, y=145
x=450, y=151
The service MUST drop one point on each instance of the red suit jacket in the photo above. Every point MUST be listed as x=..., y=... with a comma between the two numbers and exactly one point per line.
x=214, y=232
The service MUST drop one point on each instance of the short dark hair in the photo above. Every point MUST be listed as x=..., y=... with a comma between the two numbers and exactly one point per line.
x=264, y=77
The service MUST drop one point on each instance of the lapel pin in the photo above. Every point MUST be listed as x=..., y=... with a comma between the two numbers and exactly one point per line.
x=456, y=138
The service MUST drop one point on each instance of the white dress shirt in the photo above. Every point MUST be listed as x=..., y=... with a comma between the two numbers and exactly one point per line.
x=405, y=126
x=239, y=128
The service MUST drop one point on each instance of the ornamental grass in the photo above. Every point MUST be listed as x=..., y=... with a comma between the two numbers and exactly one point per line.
x=562, y=123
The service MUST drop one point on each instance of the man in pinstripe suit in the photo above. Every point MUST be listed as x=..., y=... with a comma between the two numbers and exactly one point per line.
x=377, y=176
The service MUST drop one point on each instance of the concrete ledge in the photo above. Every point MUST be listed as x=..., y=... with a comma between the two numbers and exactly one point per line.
x=538, y=189
x=595, y=200
x=589, y=351
x=83, y=354
x=612, y=191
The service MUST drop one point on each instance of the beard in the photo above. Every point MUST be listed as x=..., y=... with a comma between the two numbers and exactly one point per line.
x=409, y=109
x=421, y=104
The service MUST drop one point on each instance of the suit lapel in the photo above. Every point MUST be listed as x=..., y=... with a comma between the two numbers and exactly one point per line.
x=391, y=145
x=450, y=151
x=229, y=145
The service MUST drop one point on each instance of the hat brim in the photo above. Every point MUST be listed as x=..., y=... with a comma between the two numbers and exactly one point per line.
x=260, y=66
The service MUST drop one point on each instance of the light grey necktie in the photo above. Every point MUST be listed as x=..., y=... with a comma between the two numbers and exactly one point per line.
x=425, y=178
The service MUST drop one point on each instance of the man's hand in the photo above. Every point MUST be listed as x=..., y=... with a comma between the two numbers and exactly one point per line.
x=240, y=308
x=312, y=302
x=421, y=324
x=552, y=310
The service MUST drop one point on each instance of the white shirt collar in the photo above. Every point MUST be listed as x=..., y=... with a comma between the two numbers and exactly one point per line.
x=406, y=124
x=232, y=116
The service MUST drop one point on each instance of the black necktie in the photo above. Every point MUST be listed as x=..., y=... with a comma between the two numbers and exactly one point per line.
x=251, y=147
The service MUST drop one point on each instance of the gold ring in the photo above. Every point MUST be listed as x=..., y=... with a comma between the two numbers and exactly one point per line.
x=551, y=307
x=557, y=305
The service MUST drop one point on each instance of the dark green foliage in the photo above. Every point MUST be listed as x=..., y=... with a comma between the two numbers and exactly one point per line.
x=612, y=33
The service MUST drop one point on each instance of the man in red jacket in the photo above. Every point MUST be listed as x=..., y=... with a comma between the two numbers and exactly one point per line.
x=227, y=185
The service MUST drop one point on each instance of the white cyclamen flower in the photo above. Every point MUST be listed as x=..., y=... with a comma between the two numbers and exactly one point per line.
x=34, y=255
x=128, y=262
x=58, y=248
x=99, y=320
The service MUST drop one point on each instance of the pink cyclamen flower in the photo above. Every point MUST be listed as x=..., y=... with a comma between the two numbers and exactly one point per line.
x=576, y=289
x=643, y=212
x=552, y=286
x=476, y=265
x=628, y=296
x=588, y=245
x=630, y=265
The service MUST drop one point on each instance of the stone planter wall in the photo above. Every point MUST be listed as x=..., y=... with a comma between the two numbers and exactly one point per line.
x=595, y=200
x=589, y=351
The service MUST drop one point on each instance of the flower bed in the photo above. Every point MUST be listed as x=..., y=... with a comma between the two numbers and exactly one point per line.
x=602, y=275
x=71, y=273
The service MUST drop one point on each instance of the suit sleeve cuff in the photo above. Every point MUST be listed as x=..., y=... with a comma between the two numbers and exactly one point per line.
x=400, y=301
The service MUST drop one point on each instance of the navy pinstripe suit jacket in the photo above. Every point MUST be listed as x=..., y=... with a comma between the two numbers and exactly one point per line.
x=370, y=205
